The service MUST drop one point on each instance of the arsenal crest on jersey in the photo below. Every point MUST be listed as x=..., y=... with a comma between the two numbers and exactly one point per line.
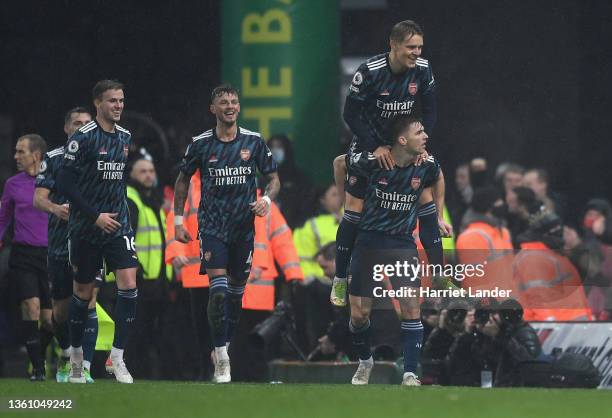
x=415, y=182
x=245, y=154
x=126, y=150
x=352, y=180
x=412, y=88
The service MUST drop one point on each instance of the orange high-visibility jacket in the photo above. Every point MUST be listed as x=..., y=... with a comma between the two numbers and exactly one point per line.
x=189, y=274
x=491, y=247
x=273, y=241
x=549, y=286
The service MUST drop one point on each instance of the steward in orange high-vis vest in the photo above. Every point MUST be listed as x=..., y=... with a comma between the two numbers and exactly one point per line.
x=189, y=273
x=549, y=286
x=486, y=244
x=273, y=242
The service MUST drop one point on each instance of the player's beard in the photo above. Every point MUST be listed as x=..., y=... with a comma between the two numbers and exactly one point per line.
x=228, y=122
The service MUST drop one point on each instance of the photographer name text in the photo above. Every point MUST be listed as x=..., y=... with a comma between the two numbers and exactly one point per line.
x=428, y=292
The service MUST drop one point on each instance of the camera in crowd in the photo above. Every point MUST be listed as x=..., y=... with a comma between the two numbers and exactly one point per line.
x=280, y=324
x=456, y=312
x=510, y=313
x=485, y=307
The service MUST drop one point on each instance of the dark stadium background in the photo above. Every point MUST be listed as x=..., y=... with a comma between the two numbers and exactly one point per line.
x=517, y=80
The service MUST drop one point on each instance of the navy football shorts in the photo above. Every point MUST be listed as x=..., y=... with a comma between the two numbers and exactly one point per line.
x=355, y=184
x=373, y=251
x=235, y=257
x=88, y=259
x=61, y=275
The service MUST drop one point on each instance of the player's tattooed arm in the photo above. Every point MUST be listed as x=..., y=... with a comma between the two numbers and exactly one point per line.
x=262, y=206
x=272, y=186
x=181, y=188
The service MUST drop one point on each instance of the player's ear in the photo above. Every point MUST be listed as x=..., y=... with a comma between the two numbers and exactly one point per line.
x=402, y=140
x=212, y=108
x=394, y=44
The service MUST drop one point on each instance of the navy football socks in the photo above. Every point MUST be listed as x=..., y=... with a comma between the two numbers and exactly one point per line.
x=345, y=239
x=233, y=307
x=77, y=317
x=125, y=315
x=216, y=310
x=91, y=335
x=362, y=339
x=412, y=340
x=429, y=233
x=62, y=334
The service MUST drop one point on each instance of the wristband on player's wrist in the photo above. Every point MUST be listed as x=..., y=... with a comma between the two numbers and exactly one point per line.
x=267, y=200
x=178, y=220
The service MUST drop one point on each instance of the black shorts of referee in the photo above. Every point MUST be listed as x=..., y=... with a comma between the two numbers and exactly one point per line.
x=28, y=274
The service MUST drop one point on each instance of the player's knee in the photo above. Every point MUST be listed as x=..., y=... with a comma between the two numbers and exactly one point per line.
x=126, y=278
x=359, y=316
x=411, y=313
x=84, y=291
x=30, y=309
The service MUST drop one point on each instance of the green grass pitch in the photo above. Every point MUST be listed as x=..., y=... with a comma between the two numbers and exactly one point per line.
x=149, y=399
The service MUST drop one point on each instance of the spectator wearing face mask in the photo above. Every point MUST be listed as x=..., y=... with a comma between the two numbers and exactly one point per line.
x=597, y=232
x=296, y=188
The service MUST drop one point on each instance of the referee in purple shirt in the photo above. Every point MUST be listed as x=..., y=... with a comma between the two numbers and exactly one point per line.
x=28, y=260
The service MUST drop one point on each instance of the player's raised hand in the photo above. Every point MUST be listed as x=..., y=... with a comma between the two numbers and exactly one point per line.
x=421, y=158
x=446, y=230
x=261, y=207
x=107, y=223
x=181, y=234
x=62, y=211
x=384, y=157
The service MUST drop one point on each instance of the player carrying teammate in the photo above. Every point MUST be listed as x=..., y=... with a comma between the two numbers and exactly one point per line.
x=228, y=158
x=385, y=86
x=390, y=211
x=91, y=177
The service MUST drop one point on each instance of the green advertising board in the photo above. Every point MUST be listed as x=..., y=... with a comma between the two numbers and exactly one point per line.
x=283, y=56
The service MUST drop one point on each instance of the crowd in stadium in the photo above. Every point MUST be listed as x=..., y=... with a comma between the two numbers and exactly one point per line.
x=173, y=327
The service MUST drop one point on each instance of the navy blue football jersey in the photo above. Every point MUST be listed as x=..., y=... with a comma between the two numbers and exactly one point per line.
x=392, y=196
x=228, y=174
x=58, y=229
x=99, y=160
x=385, y=95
